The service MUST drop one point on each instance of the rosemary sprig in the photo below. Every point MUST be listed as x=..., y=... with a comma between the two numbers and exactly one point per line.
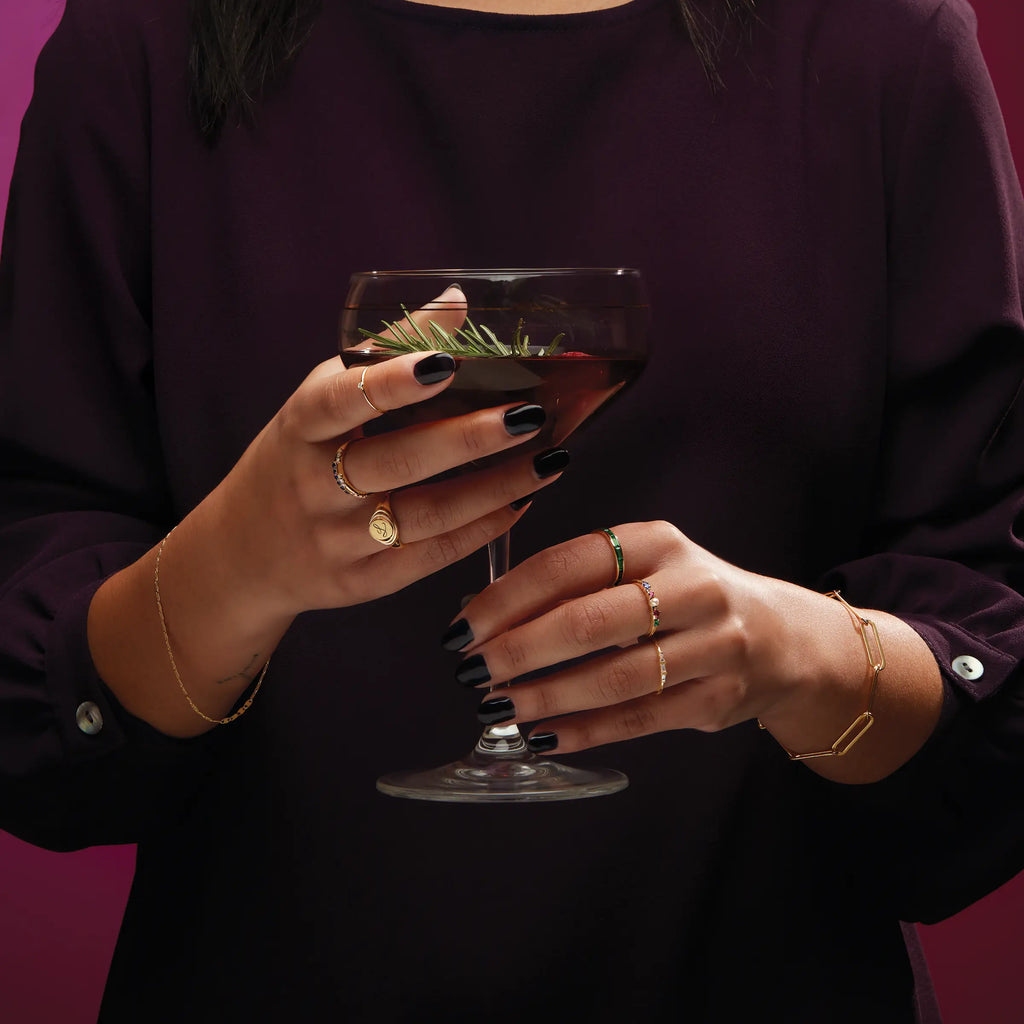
x=471, y=340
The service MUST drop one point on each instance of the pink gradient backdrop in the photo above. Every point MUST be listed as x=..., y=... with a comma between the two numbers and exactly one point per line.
x=59, y=913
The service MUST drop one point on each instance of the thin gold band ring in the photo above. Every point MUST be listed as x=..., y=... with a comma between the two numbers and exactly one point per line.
x=362, y=390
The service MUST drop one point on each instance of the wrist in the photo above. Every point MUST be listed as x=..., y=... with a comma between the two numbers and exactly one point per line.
x=827, y=712
x=839, y=689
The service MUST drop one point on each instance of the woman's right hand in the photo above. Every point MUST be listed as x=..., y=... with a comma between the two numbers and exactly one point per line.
x=295, y=536
x=278, y=536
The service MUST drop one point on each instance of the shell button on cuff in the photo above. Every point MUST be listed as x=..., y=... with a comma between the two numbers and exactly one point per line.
x=967, y=667
x=89, y=718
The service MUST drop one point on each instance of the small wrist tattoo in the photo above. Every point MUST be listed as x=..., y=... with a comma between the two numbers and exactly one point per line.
x=247, y=674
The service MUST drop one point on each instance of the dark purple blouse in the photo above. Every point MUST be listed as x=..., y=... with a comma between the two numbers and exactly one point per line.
x=835, y=246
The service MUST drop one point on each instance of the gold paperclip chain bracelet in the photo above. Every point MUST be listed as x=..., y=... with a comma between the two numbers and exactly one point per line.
x=865, y=719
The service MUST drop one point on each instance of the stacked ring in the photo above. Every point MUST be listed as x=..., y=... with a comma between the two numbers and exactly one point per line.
x=653, y=608
x=662, y=669
x=339, y=474
x=383, y=528
x=362, y=390
x=617, y=552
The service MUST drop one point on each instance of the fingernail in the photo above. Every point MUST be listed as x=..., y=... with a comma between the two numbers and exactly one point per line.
x=542, y=742
x=521, y=502
x=457, y=636
x=554, y=460
x=495, y=710
x=473, y=671
x=434, y=369
x=523, y=419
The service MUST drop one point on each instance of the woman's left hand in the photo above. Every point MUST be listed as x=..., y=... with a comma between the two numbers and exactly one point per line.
x=735, y=645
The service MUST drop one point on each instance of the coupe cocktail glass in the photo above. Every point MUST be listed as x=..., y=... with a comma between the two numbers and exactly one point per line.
x=568, y=339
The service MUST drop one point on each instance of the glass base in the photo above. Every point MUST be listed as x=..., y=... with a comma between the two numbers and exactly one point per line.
x=493, y=779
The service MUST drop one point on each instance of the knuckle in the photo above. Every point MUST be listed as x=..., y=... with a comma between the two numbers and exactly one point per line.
x=433, y=517
x=322, y=534
x=586, y=624
x=512, y=654
x=638, y=719
x=556, y=564
x=712, y=595
x=442, y=550
x=333, y=395
x=720, y=704
x=545, y=703
x=472, y=439
x=664, y=534
x=586, y=734
x=736, y=641
x=619, y=682
x=398, y=464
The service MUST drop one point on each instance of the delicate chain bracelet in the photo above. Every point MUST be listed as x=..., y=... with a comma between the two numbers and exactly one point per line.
x=174, y=665
x=865, y=719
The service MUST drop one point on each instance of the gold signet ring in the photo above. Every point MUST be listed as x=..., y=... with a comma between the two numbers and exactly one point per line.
x=383, y=528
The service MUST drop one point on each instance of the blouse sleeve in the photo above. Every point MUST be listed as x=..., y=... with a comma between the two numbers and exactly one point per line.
x=82, y=492
x=945, y=552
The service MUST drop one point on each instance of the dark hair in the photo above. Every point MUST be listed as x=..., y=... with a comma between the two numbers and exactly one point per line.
x=239, y=46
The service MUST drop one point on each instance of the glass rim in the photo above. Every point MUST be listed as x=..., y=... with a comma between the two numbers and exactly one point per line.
x=487, y=272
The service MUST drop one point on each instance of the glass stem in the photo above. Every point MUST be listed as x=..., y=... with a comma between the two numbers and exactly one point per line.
x=498, y=740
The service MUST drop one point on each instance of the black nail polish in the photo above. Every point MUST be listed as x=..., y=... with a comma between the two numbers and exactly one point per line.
x=542, y=742
x=434, y=369
x=523, y=419
x=457, y=636
x=522, y=502
x=473, y=671
x=495, y=710
x=554, y=460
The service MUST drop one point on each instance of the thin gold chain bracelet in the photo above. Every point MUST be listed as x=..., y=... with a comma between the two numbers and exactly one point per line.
x=174, y=665
x=864, y=721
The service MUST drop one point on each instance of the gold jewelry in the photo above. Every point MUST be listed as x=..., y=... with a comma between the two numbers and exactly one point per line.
x=174, y=665
x=383, y=528
x=339, y=474
x=864, y=721
x=362, y=390
x=652, y=607
x=662, y=669
x=617, y=552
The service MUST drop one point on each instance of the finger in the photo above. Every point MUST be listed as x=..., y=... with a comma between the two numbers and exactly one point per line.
x=571, y=630
x=447, y=311
x=431, y=510
x=403, y=457
x=573, y=569
x=705, y=704
x=390, y=569
x=602, y=701
x=329, y=404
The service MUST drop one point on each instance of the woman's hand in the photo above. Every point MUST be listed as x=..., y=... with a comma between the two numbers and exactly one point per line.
x=304, y=541
x=289, y=531
x=736, y=646
x=279, y=535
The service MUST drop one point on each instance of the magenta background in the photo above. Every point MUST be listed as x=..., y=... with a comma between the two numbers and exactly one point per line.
x=59, y=913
